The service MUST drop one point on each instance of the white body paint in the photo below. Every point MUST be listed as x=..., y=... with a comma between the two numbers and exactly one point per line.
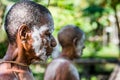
x=39, y=42
x=80, y=45
x=55, y=65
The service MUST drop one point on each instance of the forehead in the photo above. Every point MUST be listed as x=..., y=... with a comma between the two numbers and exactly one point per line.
x=47, y=21
x=45, y=27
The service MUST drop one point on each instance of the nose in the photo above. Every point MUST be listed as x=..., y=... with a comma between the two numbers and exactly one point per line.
x=53, y=42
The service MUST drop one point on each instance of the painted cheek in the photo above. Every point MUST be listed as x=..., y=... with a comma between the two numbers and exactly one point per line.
x=40, y=43
x=36, y=41
x=36, y=45
x=79, y=48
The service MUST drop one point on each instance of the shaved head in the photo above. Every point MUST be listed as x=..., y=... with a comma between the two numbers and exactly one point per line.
x=25, y=12
x=68, y=33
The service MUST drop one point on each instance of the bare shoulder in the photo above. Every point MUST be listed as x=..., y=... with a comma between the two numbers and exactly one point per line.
x=61, y=69
x=64, y=64
x=56, y=63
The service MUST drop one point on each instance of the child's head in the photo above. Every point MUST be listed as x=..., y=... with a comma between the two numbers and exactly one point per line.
x=71, y=37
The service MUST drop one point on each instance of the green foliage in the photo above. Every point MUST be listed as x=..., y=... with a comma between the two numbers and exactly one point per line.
x=38, y=76
x=3, y=35
x=93, y=9
x=110, y=51
x=90, y=15
x=3, y=48
x=38, y=71
x=3, y=43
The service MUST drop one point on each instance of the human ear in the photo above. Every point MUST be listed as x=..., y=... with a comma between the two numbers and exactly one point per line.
x=75, y=41
x=24, y=34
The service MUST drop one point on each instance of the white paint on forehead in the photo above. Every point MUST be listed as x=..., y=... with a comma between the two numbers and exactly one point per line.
x=43, y=28
x=54, y=66
x=48, y=26
x=74, y=71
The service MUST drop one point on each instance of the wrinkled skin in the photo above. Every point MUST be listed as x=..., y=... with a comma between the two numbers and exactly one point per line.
x=23, y=50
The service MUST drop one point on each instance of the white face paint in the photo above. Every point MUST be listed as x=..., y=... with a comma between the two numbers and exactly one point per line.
x=80, y=46
x=39, y=42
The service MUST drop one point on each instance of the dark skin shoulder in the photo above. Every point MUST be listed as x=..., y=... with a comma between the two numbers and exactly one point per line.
x=63, y=68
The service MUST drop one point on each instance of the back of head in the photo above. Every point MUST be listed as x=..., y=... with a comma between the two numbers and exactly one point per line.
x=24, y=12
x=68, y=33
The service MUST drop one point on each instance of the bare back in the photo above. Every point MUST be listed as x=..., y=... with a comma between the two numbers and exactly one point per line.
x=61, y=69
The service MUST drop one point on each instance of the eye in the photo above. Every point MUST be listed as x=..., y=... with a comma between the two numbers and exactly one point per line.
x=48, y=34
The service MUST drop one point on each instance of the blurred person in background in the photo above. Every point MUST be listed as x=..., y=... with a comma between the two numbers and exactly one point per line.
x=71, y=39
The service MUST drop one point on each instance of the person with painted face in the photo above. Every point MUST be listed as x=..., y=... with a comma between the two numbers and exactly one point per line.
x=71, y=39
x=29, y=28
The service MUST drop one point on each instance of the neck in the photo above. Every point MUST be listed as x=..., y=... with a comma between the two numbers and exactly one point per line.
x=68, y=53
x=14, y=53
x=22, y=57
x=11, y=52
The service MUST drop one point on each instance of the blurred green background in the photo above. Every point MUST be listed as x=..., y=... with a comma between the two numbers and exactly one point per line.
x=99, y=19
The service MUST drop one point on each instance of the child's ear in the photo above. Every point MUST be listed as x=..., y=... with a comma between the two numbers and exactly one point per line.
x=75, y=41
